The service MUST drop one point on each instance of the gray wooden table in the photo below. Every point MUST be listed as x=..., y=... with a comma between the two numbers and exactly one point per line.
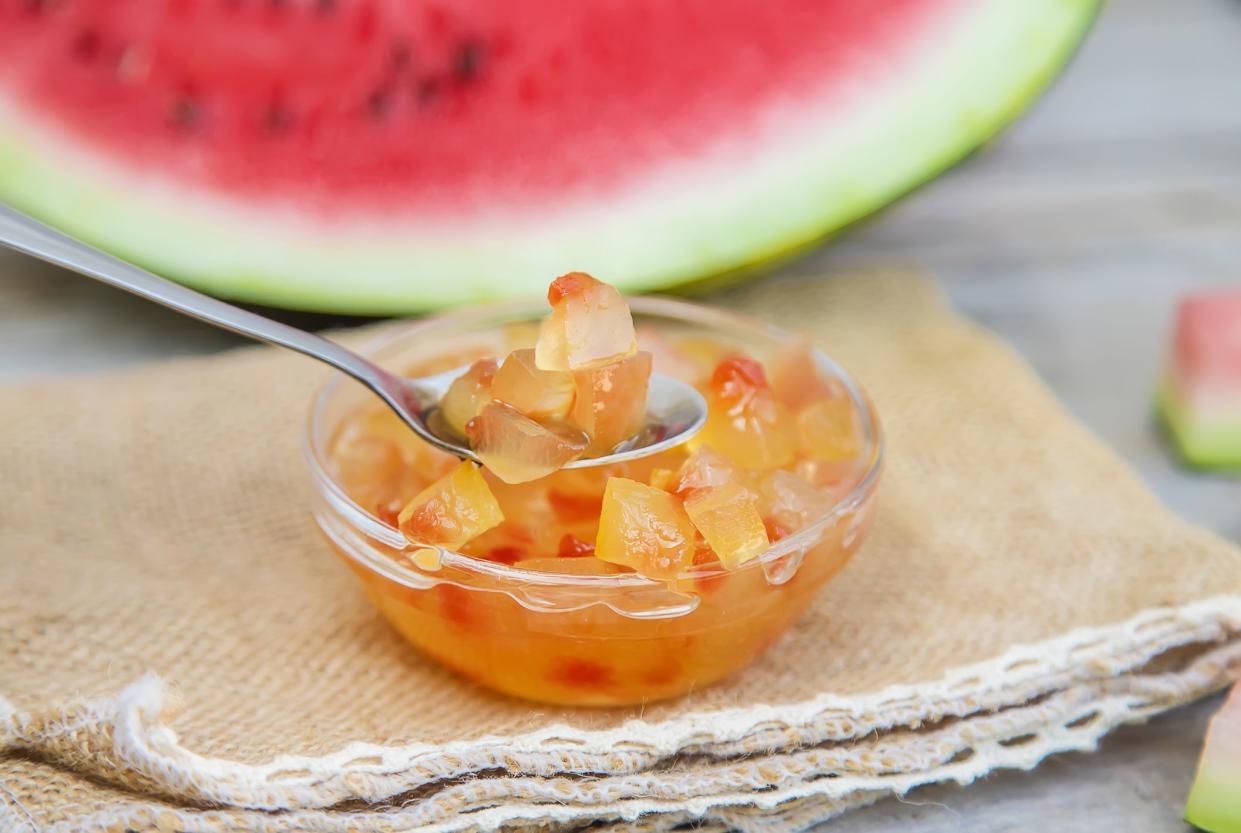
x=1071, y=237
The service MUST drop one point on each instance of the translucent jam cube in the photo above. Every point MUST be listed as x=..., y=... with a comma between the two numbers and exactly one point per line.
x=729, y=521
x=590, y=325
x=745, y=422
x=834, y=477
x=644, y=528
x=703, y=469
x=452, y=510
x=664, y=479
x=429, y=460
x=610, y=403
x=467, y=395
x=669, y=359
x=525, y=504
x=704, y=354
x=370, y=468
x=795, y=376
x=789, y=501
x=517, y=448
x=539, y=394
x=520, y=335
x=380, y=461
x=827, y=430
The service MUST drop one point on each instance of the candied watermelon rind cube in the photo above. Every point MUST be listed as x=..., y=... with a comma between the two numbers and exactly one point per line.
x=745, y=422
x=539, y=394
x=451, y=511
x=590, y=325
x=668, y=358
x=610, y=401
x=663, y=479
x=703, y=469
x=729, y=521
x=790, y=502
x=796, y=378
x=644, y=528
x=516, y=448
x=827, y=430
x=379, y=461
x=467, y=395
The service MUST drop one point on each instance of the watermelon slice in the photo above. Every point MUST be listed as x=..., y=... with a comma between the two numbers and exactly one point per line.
x=1215, y=799
x=379, y=157
x=1200, y=397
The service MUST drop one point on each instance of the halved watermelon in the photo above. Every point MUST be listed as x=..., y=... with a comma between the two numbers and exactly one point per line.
x=370, y=156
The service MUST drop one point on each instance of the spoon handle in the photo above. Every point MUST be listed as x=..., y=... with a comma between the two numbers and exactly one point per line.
x=17, y=231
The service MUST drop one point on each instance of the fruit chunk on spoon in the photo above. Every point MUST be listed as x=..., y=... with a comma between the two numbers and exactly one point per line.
x=674, y=410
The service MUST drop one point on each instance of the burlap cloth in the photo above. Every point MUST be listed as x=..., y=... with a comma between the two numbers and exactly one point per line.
x=180, y=651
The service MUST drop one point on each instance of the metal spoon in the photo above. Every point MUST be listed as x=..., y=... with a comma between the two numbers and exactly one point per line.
x=675, y=411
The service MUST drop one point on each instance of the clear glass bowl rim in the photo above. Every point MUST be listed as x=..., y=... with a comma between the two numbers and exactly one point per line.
x=314, y=448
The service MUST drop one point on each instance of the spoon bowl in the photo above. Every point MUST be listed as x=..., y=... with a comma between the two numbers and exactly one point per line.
x=675, y=412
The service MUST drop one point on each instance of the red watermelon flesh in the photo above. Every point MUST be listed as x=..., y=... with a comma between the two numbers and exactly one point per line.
x=390, y=155
x=404, y=105
x=1201, y=394
x=1207, y=352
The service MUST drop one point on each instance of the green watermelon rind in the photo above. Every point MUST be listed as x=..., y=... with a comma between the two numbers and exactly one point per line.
x=1204, y=444
x=1214, y=803
x=665, y=233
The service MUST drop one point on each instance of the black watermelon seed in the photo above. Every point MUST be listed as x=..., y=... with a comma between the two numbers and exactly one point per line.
x=400, y=55
x=277, y=118
x=379, y=103
x=427, y=89
x=184, y=113
x=468, y=61
x=86, y=45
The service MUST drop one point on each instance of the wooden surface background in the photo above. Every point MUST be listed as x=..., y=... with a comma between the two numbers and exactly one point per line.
x=1072, y=237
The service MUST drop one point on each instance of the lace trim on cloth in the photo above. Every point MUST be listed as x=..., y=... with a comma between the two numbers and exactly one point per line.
x=797, y=764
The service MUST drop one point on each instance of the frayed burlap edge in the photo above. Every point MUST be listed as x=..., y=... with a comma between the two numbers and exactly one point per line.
x=809, y=760
x=799, y=789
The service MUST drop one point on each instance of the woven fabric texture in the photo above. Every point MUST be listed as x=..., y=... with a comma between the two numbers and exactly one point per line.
x=180, y=650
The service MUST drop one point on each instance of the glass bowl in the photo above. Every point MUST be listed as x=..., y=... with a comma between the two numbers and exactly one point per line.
x=593, y=639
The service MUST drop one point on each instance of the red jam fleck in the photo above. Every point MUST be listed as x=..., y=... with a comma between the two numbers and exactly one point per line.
x=575, y=672
x=455, y=604
x=573, y=547
x=507, y=554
